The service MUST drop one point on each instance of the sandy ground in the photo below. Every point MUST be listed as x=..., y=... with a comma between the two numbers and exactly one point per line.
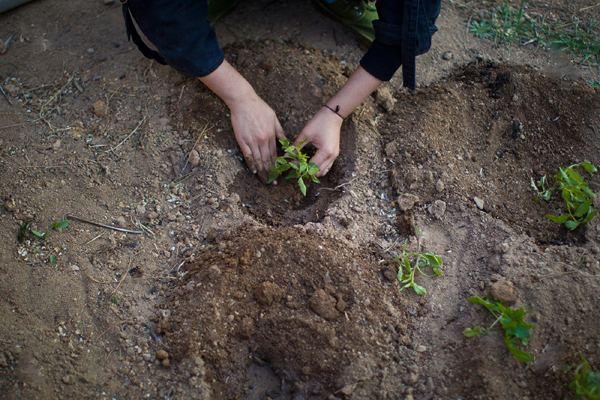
x=218, y=287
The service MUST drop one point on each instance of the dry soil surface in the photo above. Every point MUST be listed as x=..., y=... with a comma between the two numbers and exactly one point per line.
x=214, y=286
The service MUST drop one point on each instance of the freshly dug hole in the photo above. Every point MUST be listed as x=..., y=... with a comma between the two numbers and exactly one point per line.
x=295, y=84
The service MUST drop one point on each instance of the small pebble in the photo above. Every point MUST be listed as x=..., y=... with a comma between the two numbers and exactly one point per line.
x=478, y=202
x=194, y=158
x=162, y=354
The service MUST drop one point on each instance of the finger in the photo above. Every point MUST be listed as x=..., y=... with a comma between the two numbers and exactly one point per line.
x=279, y=130
x=259, y=156
x=324, y=171
x=301, y=137
x=273, y=151
x=249, y=158
x=265, y=152
x=321, y=160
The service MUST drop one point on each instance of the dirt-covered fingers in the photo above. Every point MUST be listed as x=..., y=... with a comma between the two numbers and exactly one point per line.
x=248, y=156
x=324, y=158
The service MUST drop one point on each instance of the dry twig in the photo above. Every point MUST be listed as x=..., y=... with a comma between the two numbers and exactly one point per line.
x=104, y=226
x=127, y=138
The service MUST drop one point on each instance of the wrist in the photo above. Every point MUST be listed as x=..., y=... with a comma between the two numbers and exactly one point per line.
x=230, y=86
x=335, y=110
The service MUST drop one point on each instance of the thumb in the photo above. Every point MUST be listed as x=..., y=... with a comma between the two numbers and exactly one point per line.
x=279, y=130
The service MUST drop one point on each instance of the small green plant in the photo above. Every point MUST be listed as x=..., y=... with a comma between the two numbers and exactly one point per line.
x=516, y=331
x=586, y=382
x=60, y=224
x=297, y=163
x=575, y=192
x=418, y=260
x=113, y=299
x=26, y=227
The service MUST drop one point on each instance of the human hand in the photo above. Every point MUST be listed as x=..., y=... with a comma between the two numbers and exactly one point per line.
x=323, y=131
x=256, y=128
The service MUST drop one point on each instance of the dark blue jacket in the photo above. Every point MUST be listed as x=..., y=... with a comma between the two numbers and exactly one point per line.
x=184, y=39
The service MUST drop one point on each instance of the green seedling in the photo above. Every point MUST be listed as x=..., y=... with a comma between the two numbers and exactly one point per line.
x=113, y=299
x=575, y=192
x=26, y=227
x=516, y=331
x=60, y=225
x=297, y=163
x=586, y=382
x=413, y=262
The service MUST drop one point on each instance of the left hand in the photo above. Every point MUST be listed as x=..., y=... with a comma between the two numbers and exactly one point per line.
x=323, y=131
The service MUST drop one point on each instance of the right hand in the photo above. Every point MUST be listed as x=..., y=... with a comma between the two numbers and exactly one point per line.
x=256, y=129
x=254, y=123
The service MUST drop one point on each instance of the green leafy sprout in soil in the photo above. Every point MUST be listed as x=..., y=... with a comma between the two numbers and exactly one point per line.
x=516, y=331
x=508, y=24
x=575, y=192
x=297, y=163
x=25, y=228
x=586, y=383
x=413, y=262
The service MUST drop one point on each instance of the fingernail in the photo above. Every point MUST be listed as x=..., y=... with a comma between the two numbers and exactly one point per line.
x=255, y=172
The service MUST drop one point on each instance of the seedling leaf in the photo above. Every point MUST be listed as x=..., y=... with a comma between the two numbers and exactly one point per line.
x=477, y=331
x=516, y=331
x=520, y=355
x=302, y=186
x=561, y=219
x=60, y=225
x=575, y=193
x=22, y=231
x=413, y=262
x=589, y=167
x=571, y=225
x=295, y=161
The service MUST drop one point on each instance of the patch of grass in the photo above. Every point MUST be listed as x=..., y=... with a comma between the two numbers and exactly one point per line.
x=413, y=262
x=509, y=24
x=586, y=383
x=516, y=331
x=297, y=163
x=575, y=192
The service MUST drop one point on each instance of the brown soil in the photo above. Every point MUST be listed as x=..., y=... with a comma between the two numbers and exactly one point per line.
x=239, y=290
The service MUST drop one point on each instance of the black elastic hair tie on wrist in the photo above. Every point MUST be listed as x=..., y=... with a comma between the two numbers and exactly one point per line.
x=337, y=109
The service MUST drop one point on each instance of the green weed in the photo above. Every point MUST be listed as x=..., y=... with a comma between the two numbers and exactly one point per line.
x=575, y=192
x=508, y=24
x=297, y=163
x=516, y=331
x=586, y=382
x=413, y=262
x=25, y=228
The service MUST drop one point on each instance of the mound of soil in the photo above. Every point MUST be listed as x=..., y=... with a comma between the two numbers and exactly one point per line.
x=484, y=132
x=313, y=311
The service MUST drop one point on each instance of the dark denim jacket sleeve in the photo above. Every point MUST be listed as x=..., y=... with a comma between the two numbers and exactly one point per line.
x=180, y=32
x=402, y=32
